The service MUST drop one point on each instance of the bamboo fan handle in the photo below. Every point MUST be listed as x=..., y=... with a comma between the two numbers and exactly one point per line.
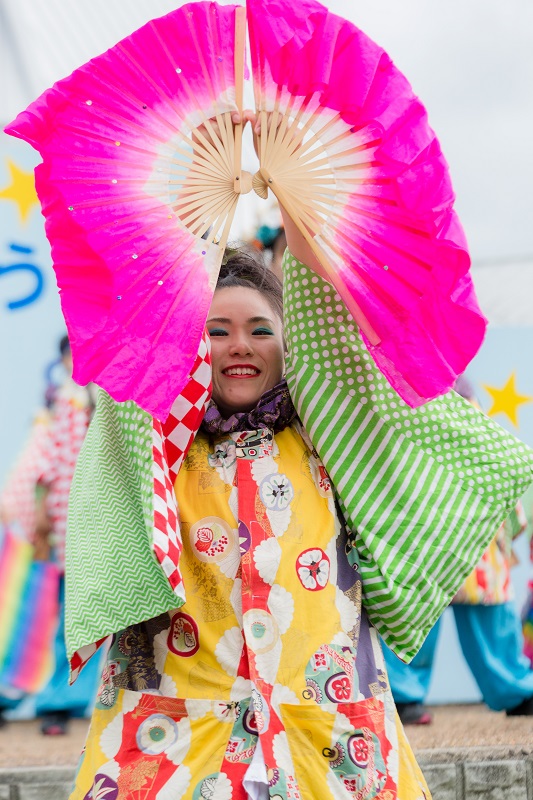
x=240, y=38
x=291, y=209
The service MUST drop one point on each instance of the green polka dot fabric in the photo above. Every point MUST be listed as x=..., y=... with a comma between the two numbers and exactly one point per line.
x=424, y=490
x=112, y=576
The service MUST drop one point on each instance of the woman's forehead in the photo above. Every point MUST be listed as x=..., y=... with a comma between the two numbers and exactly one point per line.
x=241, y=302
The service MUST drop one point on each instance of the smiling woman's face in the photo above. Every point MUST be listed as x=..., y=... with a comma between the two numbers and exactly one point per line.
x=246, y=348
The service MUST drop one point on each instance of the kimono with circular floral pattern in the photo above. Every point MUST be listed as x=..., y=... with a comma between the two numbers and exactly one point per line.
x=272, y=644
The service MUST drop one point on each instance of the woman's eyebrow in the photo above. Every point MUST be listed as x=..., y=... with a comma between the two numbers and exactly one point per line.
x=219, y=319
x=251, y=320
x=260, y=319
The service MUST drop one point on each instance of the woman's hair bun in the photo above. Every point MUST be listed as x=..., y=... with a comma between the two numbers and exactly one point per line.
x=242, y=266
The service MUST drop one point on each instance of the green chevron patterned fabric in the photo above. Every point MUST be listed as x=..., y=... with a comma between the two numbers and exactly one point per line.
x=113, y=578
x=424, y=489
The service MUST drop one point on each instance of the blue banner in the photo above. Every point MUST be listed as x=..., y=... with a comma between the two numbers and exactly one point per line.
x=30, y=317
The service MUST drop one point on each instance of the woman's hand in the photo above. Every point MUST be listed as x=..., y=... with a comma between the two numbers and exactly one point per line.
x=212, y=130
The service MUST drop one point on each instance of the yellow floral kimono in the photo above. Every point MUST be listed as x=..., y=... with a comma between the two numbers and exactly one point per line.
x=269, y=680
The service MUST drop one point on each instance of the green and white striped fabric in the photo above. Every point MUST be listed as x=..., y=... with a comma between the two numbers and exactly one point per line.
x=424, y=489
x=113, y=578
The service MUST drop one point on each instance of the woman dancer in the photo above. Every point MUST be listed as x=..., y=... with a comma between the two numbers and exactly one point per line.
x=272, y=642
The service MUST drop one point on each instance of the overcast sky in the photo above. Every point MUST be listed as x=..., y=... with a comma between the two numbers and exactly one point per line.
x=470, y=61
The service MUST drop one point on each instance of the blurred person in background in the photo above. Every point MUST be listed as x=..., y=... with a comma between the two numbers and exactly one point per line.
x=33, y=504
x=28, y=579
x=527, y=613
x=489, y=630
x=270, y=238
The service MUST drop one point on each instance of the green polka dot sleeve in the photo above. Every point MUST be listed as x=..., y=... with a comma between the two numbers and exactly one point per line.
x=423, y=489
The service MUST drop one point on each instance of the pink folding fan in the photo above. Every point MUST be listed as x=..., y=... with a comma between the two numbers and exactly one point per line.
x=141, y=176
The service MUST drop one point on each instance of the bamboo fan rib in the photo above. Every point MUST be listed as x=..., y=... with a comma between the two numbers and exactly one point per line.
x=208, y=186
x=310, y=162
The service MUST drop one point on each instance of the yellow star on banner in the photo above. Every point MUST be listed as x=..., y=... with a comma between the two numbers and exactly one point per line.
x=506, y=400
x=21, y=190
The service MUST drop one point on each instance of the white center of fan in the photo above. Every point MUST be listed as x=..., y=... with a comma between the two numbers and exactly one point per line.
x=245, y=182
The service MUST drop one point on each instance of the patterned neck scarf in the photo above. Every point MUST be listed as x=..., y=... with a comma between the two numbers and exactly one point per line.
x=274, y=410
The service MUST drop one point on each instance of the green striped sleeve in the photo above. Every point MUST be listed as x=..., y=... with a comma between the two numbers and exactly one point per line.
x=423, y=489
